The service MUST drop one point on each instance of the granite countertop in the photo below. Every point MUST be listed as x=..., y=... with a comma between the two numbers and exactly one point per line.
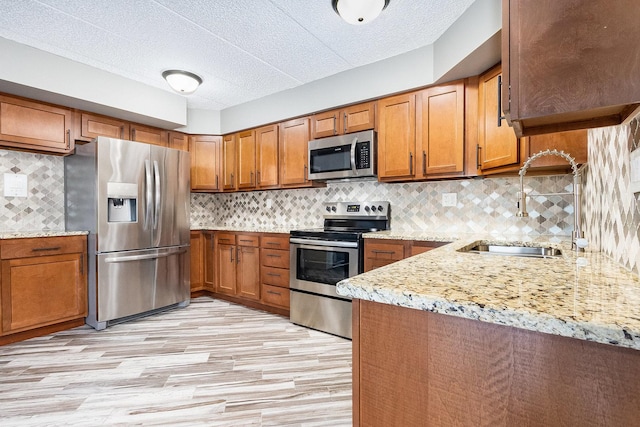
x=248, y=229
x=586, y=296
x=30, y=234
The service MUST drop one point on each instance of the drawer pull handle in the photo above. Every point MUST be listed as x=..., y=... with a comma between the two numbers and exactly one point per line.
x=51, y=248
x=274, y=293
x=273, y=243
x=274, y=275
x=383, y=252
x=274, y=256
x=247, y=240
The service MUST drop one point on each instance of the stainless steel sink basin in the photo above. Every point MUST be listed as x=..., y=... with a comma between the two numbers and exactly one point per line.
x=522, y=251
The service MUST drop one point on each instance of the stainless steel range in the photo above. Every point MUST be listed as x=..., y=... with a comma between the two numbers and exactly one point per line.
x=320, y=258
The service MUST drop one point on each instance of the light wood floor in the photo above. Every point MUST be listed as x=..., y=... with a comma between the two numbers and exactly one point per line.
x=212, y=363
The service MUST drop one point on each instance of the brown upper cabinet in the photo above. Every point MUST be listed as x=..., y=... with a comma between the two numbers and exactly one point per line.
x=35, y=126
x=229, y=176
x=246, y=167
x=267, y=171
x=569, y=65
x=178, y=141
x=90, y=126
x=421, y=134
x=350, y=119
x=205, y=151
x=294, y=138
x=149, y=135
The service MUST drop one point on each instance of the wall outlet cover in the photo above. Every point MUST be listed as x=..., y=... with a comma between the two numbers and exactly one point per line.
x=15, y=185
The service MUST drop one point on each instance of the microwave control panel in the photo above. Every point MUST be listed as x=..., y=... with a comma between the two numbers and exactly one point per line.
x=363, y=155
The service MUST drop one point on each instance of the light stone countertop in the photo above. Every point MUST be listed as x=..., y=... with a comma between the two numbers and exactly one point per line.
x=30, y=234
x=248, y=229
x=586, y=296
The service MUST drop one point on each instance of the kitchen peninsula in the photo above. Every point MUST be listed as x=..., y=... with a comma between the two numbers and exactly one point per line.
x=456, y=338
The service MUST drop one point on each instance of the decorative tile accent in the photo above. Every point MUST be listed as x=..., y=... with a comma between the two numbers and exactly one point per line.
x=43, y=209
x=484, y=205
x=612, y=212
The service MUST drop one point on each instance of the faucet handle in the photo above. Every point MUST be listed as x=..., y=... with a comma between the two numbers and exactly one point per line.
x=581, y=243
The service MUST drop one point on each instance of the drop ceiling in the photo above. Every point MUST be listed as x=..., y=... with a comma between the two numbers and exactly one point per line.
x=243, y=49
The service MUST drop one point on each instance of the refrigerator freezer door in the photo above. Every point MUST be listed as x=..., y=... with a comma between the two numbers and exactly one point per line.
x=123, y=165
x=134, y=282
x=171, y=203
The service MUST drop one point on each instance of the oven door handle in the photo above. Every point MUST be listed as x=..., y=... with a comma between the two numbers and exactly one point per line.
x=306, y=242
x=353, y=154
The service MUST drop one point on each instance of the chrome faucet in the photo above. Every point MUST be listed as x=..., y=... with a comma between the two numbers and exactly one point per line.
x=578, y=240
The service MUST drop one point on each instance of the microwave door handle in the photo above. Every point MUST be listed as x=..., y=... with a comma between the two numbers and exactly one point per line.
x=156, y=174
x=353, y=155
x=149, y=193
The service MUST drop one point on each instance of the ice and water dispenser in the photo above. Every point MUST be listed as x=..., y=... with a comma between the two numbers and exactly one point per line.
x=122, y=202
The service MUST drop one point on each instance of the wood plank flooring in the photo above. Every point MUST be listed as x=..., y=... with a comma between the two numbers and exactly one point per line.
x=212, y=363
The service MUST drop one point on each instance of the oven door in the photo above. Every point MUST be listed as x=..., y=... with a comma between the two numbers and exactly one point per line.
x=317, y=265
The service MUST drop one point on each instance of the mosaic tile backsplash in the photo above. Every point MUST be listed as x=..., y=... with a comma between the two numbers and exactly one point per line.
x=43, y=208
x=612, y=212
x=483, y=205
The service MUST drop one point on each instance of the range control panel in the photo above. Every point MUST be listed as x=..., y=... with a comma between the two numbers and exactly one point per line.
x=356, y=209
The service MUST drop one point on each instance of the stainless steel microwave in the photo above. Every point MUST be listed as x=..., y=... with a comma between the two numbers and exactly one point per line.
x=346, y=156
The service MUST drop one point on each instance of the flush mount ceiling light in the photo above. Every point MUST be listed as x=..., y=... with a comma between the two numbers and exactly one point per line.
x=181, y=81
x=358, y=12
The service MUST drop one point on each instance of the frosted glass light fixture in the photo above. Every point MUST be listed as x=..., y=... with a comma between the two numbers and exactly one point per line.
x=358, y=12
x=181, y=81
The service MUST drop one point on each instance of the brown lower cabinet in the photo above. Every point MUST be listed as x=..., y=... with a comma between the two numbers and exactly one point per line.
x=381, y=252
x=417, y=368
x=246, y=268
x=43, y=286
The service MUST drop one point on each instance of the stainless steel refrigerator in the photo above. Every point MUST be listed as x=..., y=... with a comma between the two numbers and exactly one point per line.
x=133, y=198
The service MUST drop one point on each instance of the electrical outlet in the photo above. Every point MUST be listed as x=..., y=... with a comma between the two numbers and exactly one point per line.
x=269, y=203
x=449, y=199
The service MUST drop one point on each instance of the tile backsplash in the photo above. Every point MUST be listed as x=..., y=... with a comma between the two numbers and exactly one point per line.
x=43, y=208
x=483, y=205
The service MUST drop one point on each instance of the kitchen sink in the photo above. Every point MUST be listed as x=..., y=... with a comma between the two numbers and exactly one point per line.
x=522, y=251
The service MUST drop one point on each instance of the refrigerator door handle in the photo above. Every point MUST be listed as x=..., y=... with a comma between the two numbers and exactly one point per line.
x=149, y=191
x=156, y=174
x=143, y=257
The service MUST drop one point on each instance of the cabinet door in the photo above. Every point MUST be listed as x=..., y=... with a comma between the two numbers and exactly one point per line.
x=93, y=126
x=205, y=162
x=41, y=291
x=246, y=160
x=574, y=143
x=396, y=136
x=226, y=255
x=196, y=261
x=178, y=141
x=229, y=162
x=325, y=124
x=294, y=139
x=34, y=126
x=248, y=273
x=208, y=261
x=359, y=117
x=497, y=141
x=149, y=135
x=267, y=157
x=440, y=130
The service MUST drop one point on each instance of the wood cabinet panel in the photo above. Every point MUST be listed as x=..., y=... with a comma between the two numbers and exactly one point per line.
x=149, y=135
x=43, y=246
x=275, y=258
x=205, y=152
x=226, y=256
x=419, y=246
x=276, y=296
x=35, y=126
x=574, y=143
x=93, y=126
x=568, y=64
x=382, y=252
x=275, y=241
x=248, y=272
x=267, y=161
x=209, y=261
x=246, y=160
x=274, y=276
x=359, y=117
x=229, y=147
x=396, y=136
x=196, y=266
x=294, y=137
x=248, y=240
x=325, y=124
x=178, y=141
x=440, y=130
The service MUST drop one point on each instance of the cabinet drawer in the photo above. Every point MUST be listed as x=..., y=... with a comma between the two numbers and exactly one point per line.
x=275, y=242
x=390, y=251
x=275, y=258
x=247, y=240
x=41, y=246
x=273, y=295
x=275, y=276
x=226, y=238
